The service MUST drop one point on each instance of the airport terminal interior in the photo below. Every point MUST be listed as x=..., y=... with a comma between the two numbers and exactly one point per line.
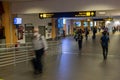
x=64, y=24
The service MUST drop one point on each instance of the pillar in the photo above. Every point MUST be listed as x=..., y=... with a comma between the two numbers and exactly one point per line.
x=6, y=22
x=53, y=28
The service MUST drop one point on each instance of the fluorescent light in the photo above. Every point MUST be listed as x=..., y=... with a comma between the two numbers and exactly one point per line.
x=64, y=21
x=102, y=12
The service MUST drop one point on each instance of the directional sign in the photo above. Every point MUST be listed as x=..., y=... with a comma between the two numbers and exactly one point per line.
x=108, y=19
x=68, y=14
x=85, y=14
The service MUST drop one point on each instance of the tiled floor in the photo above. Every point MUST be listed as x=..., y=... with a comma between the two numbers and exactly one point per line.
x=73, y=64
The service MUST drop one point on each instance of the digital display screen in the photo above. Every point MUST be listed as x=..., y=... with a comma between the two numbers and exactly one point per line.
x=77, y=24
x=60, y=23
x=17, y=20
x=85, y=24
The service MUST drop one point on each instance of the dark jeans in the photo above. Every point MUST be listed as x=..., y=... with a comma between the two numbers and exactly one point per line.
x=39, y=54
x=80, y=44
x=86, y=36
x=94, y=36
x=105, y=51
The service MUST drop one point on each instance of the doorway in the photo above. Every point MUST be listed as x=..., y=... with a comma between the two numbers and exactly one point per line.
x=42, y=30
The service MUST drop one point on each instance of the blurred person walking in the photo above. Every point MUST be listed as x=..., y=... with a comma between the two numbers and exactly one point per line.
x=86, y=33
x=80, y=39
x=94, y=32
x=104, y=43
x=39, y=45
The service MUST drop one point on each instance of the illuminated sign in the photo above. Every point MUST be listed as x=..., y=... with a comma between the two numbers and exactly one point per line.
x=85, y=14
x=108, y=19
x=68, y=14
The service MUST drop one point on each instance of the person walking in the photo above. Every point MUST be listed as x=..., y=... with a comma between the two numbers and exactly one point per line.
x=80, y=38
x=104, y=42
x=39, y=45
x=86, y=33
x=94, y=32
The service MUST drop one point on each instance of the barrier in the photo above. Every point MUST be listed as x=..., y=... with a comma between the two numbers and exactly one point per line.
x=11, y=55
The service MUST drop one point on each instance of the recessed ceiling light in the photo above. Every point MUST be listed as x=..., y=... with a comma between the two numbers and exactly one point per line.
x=101, y=12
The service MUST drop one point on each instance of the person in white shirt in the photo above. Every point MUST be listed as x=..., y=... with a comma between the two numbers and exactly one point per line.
x=39, y=45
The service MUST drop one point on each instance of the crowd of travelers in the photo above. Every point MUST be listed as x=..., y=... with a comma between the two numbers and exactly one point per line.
x=104, y=40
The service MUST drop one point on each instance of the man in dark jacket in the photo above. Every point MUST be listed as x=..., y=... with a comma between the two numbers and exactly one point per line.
x=104, y=42
x=80, y=38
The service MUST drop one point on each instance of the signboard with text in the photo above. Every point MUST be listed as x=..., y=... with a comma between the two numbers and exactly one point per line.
x=68, y=14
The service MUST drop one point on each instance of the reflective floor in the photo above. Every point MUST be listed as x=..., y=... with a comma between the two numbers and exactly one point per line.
x=73, y=64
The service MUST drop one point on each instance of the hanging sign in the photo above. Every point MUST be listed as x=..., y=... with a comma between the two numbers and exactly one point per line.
x=68, y=14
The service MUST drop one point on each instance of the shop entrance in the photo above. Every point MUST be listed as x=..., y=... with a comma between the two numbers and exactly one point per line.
x=42, y=30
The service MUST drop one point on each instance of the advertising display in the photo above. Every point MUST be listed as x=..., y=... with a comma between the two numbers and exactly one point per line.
x=17, y=21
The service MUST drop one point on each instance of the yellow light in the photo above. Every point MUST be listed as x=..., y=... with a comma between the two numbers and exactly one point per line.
x=41, y=15
x=88, y=19
x=87, y=13
x=92, y=13
x=44, y=15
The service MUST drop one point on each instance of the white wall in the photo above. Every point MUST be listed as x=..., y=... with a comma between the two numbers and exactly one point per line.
x=63, y=5
x=67, y=25
x=111, y=24
x=34, y=19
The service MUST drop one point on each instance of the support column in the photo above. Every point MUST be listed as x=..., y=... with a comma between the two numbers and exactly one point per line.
x=6, y=22
x=71, y=27
x=15, y=38
x=53, y=28
x=82, y=24
x=89, y=25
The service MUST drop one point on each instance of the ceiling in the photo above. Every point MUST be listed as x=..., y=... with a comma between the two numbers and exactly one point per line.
x=19, y=0
x=98, y=12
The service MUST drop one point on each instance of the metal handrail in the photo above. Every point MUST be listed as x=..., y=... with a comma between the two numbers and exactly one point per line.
x=12, y=55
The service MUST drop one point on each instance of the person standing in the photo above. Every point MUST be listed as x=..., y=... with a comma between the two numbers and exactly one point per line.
x=39, y=45
x=64, y=33
x=86, y=33
x=80, y=38
x=94, y=32
x=104, y=42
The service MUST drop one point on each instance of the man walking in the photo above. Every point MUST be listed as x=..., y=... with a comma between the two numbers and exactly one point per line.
x=39, y=45
x=104, y=42
x=80, y=38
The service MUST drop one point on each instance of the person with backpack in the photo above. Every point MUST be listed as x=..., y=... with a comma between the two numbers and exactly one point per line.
x=39, y=46
x=104, y=43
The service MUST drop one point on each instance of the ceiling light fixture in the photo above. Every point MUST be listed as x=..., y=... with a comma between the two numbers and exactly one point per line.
x=102, y=12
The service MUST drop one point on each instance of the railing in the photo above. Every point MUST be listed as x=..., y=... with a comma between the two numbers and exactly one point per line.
x=12, y=55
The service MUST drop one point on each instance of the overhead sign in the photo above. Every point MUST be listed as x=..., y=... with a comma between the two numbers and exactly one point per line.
x=108, y=19
x=68, y=14
x=98, y=19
